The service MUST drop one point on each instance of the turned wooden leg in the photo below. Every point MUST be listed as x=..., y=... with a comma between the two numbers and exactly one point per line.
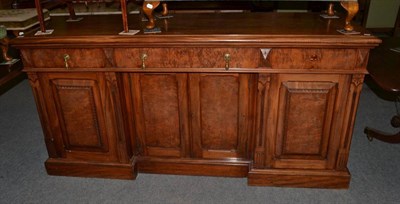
x=4, y=48
x=39, y=10
x=71, y=11
x=352, y=9
x=148, y=9
x=165, y=9
x=382, y=136
x=330, y=10
x=87, y=6
x=124, y=11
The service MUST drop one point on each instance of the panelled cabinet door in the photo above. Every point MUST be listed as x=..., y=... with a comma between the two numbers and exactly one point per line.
x=304, y=120
x=80, y=114
x=220, y=109
x=160, y=113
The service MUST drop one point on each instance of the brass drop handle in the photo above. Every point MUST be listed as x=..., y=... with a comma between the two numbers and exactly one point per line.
x=66, y=58
x=227, y=58
x=143, y=57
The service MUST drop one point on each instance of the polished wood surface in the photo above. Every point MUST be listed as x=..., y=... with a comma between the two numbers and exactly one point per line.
x=241, y=95
x=210, y=24
x=350, y=6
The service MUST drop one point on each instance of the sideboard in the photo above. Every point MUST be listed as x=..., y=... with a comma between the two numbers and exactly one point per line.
x=267, y=96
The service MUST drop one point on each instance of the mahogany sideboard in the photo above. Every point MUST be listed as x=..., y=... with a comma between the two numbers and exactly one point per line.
x=267, y=96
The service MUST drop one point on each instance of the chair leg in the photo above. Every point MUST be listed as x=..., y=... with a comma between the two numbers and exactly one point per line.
x=382, y=136
x=385, y=137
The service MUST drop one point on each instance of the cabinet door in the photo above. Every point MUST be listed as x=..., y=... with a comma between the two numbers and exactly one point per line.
x=303, y=127
x=81, y=116
x=160, y=113
x=220, y=108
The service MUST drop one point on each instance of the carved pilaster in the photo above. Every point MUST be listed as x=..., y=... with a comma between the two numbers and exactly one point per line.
x=262, y=109
x=111, y=79
x=43, y=115
x=349, y=118
x=124, y=153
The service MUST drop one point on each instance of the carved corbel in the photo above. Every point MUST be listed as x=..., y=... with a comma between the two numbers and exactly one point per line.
x=350, y=110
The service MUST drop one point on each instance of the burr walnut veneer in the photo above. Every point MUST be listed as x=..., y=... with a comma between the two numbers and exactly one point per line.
x=268, y=96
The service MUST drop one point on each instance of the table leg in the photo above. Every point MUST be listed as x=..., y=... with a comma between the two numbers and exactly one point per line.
x=4, y=48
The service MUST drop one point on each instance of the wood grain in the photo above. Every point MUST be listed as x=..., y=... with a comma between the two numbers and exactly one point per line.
x=85, y=169
x=79, y=58
x=285, y=119
x=286, y=58
x=187, y=57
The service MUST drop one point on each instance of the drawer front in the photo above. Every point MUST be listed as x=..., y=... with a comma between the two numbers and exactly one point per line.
x=78, y=58
x=287, y=58
x=186, y=57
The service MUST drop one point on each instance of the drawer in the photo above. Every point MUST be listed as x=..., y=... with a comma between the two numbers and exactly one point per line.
x=347, y=59
x=186, y=57
x=78, y=58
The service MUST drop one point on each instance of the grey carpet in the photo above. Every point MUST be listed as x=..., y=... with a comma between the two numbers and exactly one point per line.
x=374, y=167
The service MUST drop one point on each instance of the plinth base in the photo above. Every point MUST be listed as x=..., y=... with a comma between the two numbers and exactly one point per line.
x=299, y=178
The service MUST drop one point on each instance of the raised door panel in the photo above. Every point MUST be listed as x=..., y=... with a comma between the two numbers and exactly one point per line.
x=220, y=115
x=78, y=108
x=307, y=121
x=160, y=102
x=79, y=114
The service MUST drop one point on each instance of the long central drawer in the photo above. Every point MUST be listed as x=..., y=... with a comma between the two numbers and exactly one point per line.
x=187, y=57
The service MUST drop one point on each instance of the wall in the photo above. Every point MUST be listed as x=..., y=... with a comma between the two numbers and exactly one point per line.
x=382, y=13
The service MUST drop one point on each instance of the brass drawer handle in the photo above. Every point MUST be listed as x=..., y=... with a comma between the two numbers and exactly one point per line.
x=227, y=58
x=66, y=58
x=143, y=57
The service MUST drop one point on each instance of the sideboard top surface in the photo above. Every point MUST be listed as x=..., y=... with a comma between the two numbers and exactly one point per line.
x=246, y=29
